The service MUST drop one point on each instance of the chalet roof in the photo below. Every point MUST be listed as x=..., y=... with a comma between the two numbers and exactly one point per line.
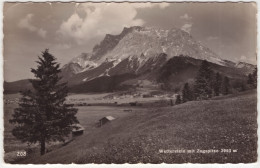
x=110, y=118
x=77, y=127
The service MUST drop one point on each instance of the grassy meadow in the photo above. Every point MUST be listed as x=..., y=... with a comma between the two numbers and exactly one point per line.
x=225, y=124
x=88, y=117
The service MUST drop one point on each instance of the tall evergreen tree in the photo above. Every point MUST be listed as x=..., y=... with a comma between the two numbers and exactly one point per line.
x=43, y=115
x=178, y=99
x=203, y=81
x=225, y=86
x=250, y=79
x=242, y=87
x=171, y=102
x=217, y=84
x=254, y=76
x=187, y=94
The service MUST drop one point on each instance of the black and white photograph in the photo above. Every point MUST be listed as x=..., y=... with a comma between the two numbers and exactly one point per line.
x=129, y=82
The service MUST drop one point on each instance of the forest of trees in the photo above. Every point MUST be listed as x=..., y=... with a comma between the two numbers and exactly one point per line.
x=252, y=79
x=209, y=84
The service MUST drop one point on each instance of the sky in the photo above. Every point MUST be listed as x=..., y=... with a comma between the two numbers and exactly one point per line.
x=68, y=29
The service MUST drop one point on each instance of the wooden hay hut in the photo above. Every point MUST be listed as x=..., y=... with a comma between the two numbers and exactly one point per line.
x=77, y=129
x=106, y=119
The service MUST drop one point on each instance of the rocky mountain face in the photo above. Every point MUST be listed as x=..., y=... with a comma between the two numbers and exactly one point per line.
x=150, y=42
x=109, y=43
x=136, y=50
x=145, y=53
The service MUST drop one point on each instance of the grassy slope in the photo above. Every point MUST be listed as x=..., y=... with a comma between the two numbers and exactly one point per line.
x=229, y=123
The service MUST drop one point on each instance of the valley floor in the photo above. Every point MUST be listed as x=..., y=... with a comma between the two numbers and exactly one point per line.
x=221, y=130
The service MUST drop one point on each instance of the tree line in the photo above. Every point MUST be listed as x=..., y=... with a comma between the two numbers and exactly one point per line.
x=209, y=84
x=252, y=79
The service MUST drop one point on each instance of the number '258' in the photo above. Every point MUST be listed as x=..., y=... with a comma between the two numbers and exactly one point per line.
x=21, y=153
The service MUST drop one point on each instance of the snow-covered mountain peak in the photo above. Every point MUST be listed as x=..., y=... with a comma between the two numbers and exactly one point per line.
x=137, y=49
x=152, y=41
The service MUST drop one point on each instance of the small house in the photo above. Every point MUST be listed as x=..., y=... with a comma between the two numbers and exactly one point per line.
x=133, y=103
x=106, y=119
x=77, y=129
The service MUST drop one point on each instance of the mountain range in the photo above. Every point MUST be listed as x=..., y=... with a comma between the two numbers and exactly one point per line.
x=141, y=54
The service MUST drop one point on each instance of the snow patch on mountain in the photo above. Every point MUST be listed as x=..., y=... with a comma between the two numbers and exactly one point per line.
x=83, y=60
x=85, y=79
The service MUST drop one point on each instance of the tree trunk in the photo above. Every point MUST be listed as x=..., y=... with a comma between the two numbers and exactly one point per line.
x=43, y=146
x=171, y=102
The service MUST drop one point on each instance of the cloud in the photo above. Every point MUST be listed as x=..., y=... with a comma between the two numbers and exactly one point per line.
x=25, y=23
x=63, y=46
x=186, y=17
x=101, y=19
x=212, y=38
x=42, y=32
x=187, y=27
x=242, y=58
x=251, y=60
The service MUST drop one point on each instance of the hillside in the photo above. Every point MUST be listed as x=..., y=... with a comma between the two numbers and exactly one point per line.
x=228, y=122
x=181, y=69
x=175, y=72
x=103, y=84
x=16, y=86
